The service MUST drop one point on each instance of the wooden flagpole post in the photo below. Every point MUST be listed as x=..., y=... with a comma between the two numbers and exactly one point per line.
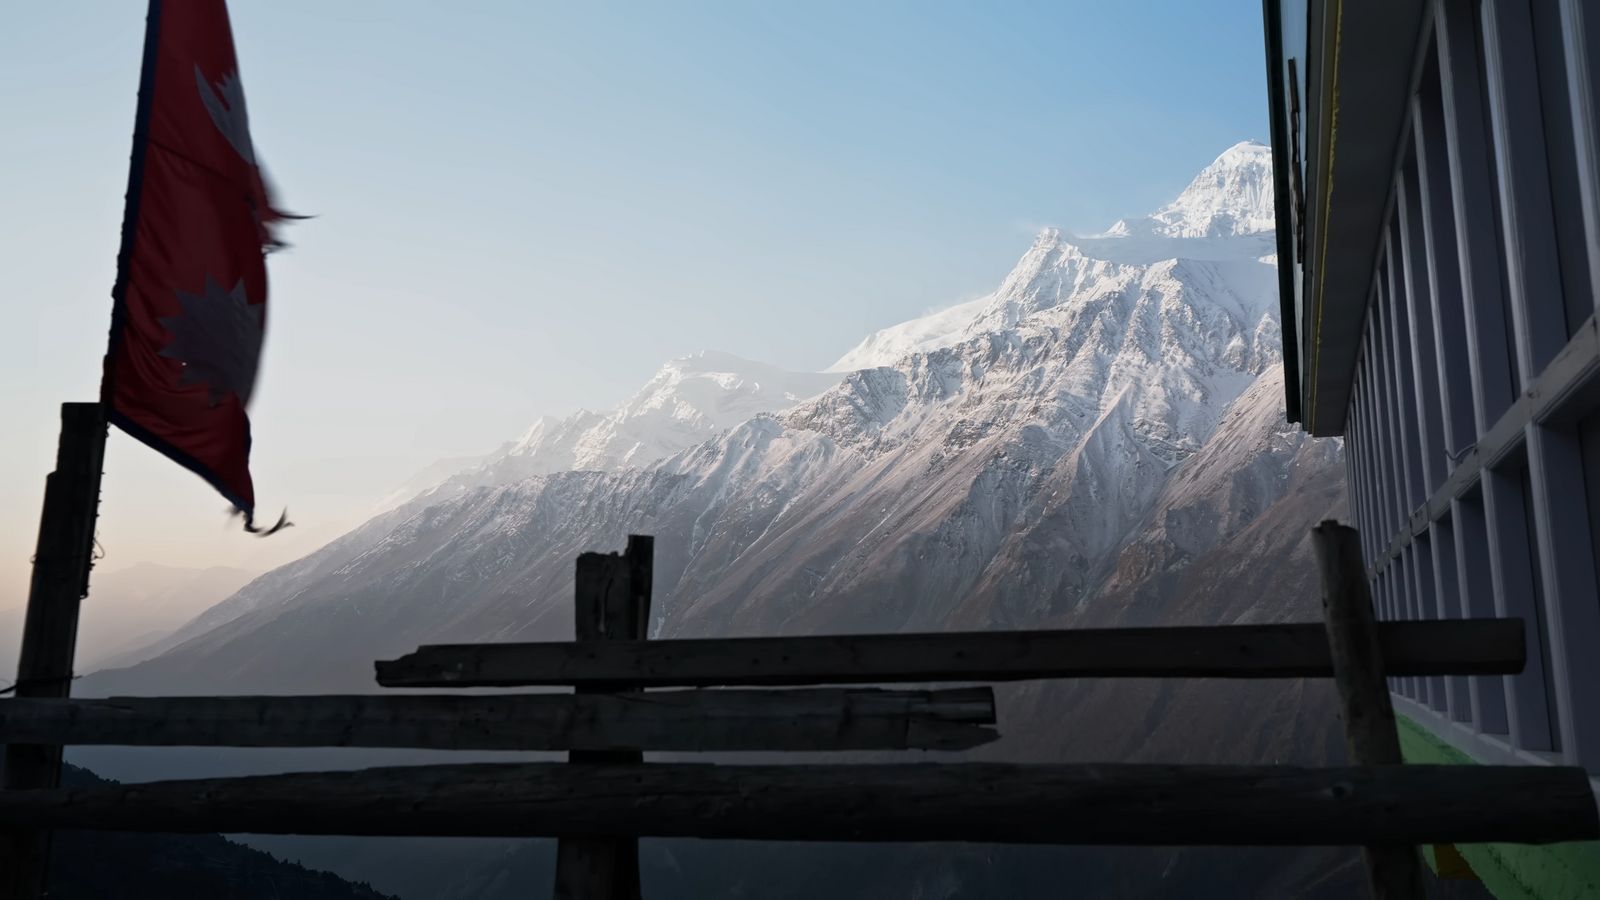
x=1394, y=870
x=61, y=565
x=612, y=598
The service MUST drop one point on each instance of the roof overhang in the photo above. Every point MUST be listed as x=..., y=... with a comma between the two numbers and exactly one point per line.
x=1362, y=61
x=1278, y=108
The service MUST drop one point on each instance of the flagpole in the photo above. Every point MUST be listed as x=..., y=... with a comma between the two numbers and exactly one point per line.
x=61, y=563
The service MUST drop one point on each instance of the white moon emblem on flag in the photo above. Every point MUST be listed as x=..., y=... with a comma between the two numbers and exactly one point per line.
x=217, y=337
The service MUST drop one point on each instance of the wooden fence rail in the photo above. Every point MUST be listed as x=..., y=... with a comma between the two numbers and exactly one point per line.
x=713, y=720
x=1023, y=804
x=1451, y=647
x=605, y=797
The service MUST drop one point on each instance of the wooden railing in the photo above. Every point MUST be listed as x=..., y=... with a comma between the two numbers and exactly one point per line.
x=600, y=802
x=686, y=721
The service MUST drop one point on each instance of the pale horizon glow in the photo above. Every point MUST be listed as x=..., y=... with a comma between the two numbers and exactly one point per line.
x=523, y=209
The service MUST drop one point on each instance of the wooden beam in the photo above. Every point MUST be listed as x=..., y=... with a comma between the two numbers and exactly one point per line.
x=612, y=603
x=681, y=721
x=61, y=563
x=1460, y=646
x=1394, y=869
x=994, y=803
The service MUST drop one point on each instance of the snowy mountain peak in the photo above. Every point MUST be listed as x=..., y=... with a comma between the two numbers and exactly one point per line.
x=930, y=332
x=1048, y=238
x=712, y=391
x=1225, y=215
x=1232, y=196
x=712, y=361
x=689, y=400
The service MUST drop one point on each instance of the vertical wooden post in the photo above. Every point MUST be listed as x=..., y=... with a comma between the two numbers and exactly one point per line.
x=613, y=603
x=1370, y=734
x=61, y=564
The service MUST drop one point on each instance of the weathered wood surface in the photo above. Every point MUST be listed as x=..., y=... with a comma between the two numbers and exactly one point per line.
x=61, y=564
x=997, y=803
x=1394, y=869
x=1461, y=646
x=681, y=721
x=612, y=603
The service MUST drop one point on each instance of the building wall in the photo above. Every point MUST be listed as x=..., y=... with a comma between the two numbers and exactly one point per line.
x=1568, y=871
x=1473, y=432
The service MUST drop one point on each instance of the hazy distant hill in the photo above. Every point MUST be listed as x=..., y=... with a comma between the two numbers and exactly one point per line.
x=128, y=609
x=95, y=865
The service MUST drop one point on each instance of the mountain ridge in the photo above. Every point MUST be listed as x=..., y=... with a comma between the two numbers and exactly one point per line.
x=1094, y=375
x=1099, y=441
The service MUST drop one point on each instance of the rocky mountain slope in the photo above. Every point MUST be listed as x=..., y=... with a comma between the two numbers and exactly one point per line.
x=689, y=400
x=1099, y=441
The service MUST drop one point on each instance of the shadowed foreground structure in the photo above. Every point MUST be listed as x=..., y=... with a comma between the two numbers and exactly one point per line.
x=96, y=865
x=600, y=802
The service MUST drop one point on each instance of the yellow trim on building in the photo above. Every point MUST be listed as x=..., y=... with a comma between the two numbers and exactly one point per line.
x=1330, y=127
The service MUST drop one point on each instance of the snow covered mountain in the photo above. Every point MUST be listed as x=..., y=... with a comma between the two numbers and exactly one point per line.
x=934, y=331
x=1231, y=197
x=990, y=481
x=689, y=400
x=1225, y=214
x=1098, y=441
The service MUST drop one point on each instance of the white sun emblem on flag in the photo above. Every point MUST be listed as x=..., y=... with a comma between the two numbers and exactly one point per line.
x=225, y=103
x=217, y=337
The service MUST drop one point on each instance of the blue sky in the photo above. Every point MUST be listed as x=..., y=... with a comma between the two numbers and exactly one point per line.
x=525, y=207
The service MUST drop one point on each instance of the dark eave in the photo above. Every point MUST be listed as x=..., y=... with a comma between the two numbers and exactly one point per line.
x=1278, y=109
x=1362, y=98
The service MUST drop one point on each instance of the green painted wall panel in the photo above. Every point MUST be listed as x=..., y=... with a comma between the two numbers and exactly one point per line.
x=1512, y=871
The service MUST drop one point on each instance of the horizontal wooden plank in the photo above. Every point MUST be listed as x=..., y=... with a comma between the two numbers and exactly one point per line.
x=1454, y=647
x=1027, y=804
x=695, y=720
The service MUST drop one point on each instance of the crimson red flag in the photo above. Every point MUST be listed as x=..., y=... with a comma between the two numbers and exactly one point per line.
x=190, y=301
